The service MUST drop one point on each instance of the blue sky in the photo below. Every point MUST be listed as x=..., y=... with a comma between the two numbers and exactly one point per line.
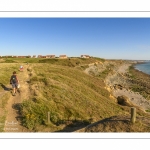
x=109, y=38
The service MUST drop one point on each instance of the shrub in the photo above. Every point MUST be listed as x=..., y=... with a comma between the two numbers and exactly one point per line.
x=33, y=114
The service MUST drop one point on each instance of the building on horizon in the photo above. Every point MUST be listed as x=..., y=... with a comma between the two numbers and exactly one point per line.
x=39, y=56
x=63, y=56
x=21, y=56
x=85, y=56
x=50, y=56
x=9, y=56
x=15, y=56
x=34, y=56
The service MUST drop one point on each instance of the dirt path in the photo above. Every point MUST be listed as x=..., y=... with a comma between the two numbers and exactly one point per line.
x=12, y=123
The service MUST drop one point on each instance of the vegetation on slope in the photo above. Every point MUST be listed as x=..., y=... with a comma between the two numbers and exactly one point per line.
x=140, y=82
x=19, y=60
x=61, y=87
x=68, y=94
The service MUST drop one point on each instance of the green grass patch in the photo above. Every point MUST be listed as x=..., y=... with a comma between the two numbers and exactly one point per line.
x=148, y=110
x=6, y=72
x=20, y=60
x=71, y=62
x=140, y=82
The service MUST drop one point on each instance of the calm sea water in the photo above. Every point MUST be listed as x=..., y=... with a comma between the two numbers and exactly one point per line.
x=145, y=67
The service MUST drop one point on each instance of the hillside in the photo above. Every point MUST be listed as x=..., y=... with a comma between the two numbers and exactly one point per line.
x=73, y=91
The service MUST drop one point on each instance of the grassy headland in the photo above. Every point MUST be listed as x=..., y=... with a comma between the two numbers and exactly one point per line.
x=72, y=90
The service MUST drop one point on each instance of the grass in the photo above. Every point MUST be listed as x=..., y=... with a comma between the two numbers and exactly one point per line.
x=71, y=62
x=20, y=60
x=60, y=86
x=68, y=94
x=2, y=123
x=3, y=101
x=104, y=73
x=140, y=82
x=6, y=72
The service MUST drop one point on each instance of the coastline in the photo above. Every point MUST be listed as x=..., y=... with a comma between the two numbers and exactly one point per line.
x=133, y=84
x=141, y=70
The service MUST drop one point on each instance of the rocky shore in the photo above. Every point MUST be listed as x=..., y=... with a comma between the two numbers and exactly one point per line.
x=131, y=85
x=123, y=80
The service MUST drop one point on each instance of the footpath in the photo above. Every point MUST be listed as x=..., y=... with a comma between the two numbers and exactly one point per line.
x=13, y=122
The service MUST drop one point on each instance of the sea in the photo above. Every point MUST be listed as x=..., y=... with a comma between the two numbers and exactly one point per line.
x=144, y=67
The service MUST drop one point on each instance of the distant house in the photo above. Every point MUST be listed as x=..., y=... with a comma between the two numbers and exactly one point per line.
x=39, y=56
x=43, y=57
x=9, y=56
x=29, y=56
x=85, y=56
x=62, y=56
x=50, y=56
x=21, y=56
x=15, y=56
x=34, y=56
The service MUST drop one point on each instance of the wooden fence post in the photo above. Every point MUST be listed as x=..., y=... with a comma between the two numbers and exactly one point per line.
x=48, y=117
x=133, y=114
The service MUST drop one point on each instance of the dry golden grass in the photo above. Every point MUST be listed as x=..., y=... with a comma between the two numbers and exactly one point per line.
x=69, y=94
x=73, y=98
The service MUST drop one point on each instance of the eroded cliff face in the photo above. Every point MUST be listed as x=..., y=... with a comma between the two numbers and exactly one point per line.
x=121, y=79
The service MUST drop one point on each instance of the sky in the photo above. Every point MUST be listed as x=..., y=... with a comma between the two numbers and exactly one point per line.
x=108, y=38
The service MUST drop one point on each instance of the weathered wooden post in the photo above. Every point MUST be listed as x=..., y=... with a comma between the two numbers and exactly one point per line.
x=48, y=117
x=133, y=114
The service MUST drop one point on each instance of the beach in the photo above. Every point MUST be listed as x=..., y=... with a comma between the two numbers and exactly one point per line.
x=123, y=82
